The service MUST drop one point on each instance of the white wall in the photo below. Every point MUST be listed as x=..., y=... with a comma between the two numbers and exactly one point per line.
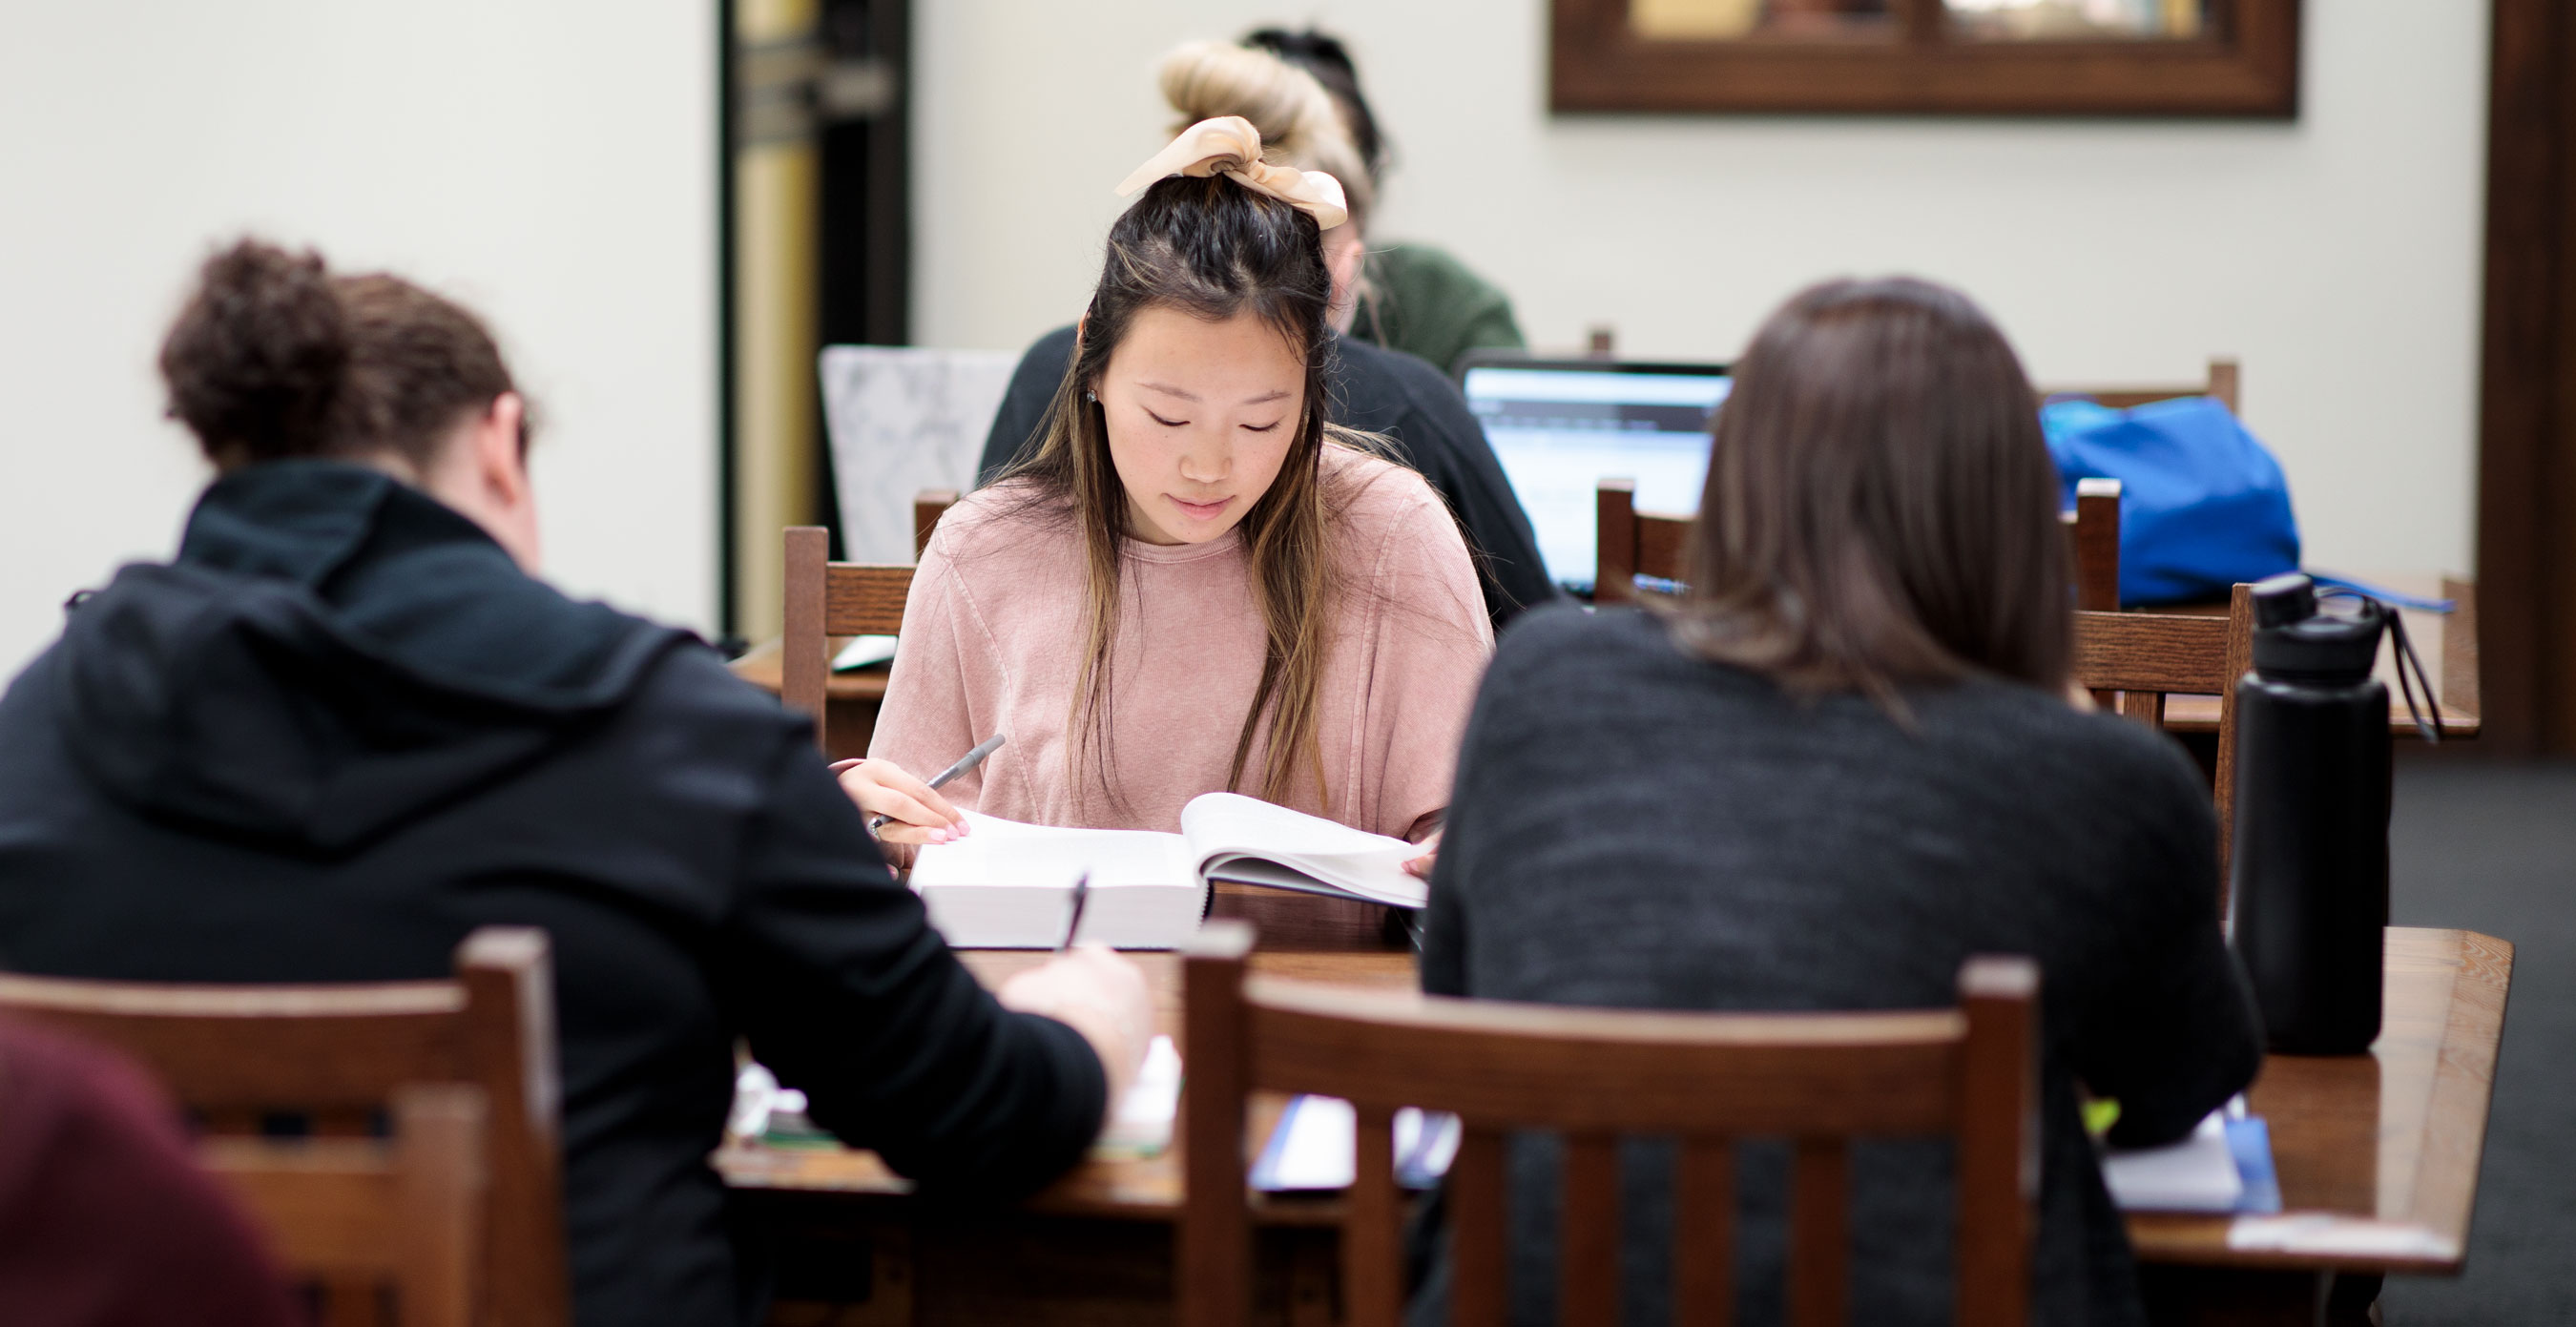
x=551, y=165
x=2338, y=255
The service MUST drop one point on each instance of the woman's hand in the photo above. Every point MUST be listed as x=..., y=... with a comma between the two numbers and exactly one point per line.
x=1099, y=993
x=1421, y=866
x=914, y=814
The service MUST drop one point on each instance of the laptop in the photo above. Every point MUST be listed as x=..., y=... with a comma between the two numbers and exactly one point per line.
x=1561, y=426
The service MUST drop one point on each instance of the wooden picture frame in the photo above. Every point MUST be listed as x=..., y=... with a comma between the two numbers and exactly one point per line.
x=2246, y=65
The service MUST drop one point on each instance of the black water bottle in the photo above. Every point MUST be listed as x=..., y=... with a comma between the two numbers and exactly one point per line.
x=2308, y=876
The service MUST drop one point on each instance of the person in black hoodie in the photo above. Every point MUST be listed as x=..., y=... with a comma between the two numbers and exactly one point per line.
x=346, y=726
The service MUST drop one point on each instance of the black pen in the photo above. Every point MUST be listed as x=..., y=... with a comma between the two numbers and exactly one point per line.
x=1081, y=895
x=964, y=763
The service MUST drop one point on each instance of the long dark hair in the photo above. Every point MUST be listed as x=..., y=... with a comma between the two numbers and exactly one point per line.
x=1212, y=249
x=275, y=356
x=1880, y=506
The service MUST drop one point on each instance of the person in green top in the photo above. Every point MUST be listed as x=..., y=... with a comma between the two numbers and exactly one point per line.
x=1418, y=298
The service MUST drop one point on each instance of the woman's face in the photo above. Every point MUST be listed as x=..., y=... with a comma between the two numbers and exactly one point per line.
x=1200, y=417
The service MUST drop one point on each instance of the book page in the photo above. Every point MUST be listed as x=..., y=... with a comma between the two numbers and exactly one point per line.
x=1235, y=837
x=1006, y=852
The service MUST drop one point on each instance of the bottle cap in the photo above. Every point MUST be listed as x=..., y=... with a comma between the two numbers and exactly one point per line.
x=2294, y=642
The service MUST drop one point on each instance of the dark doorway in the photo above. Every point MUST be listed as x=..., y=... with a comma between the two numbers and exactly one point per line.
x=816, y=239
x=2527, y=386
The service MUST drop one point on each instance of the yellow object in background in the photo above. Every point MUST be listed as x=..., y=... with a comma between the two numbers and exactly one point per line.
x=1693, y=20
x=777, y=263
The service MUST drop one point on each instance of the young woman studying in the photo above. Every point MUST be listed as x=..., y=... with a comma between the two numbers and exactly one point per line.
x=347, y=724
x=1409, y=404
x=1195, y=583
x=1843, y=762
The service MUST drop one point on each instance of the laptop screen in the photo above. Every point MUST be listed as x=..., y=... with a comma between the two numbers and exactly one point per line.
x=1560, y=428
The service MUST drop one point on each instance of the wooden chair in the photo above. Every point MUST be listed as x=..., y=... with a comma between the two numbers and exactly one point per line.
x=827, y=598
x=2224, y=377
x=339, y=1054
x=2146, y=656
x=1631, y=543
x=1820, y=1080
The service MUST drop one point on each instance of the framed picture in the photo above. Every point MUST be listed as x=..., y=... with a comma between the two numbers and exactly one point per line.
x=1943, y=57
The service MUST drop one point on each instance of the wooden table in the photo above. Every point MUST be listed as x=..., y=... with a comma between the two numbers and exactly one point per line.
x=2377, y=1155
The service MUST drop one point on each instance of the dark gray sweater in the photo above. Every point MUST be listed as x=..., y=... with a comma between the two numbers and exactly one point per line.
x=1636, y=827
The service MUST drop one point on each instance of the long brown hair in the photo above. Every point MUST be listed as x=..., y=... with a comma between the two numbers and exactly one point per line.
x=1880, y=506
x=1212, y=249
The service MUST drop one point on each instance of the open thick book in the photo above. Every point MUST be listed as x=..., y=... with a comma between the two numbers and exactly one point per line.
x=1007, y=885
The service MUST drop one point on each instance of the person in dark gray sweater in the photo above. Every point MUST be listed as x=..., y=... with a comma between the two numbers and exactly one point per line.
x=1844, y=762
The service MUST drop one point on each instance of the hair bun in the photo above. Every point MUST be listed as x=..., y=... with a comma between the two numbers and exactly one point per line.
x=1299, y=125
x=258, y=358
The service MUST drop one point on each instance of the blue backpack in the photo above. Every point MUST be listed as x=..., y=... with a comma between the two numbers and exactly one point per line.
x=2203, y=505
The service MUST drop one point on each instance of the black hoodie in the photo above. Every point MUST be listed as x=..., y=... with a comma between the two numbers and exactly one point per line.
x=343, y=729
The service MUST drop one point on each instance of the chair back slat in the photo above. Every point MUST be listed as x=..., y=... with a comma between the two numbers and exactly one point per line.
x=928, y=506
x=2162, y=652
x=1660, y=541
x=1997, y=1165
x=1214, y=1246
x=1373, y=1237
x=1614, y=541
x=1505, y=1061
x=2224, y=376
x=802, y=668
x=1820, y=1233
x=509, y=1046
x=1479, y=1257
x=442, y=1177
x=2096, y=538
x=1591, y=1076
x=860, y=599
x=234, y=1052
x=1704, y=1234
x=337, y=1052
x=2460, y=646
x=1588, y=1230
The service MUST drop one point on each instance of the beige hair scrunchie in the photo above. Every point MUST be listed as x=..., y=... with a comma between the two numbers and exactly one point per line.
x=1230, y=146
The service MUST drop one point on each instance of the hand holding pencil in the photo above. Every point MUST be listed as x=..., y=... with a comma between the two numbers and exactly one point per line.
x=903, y=809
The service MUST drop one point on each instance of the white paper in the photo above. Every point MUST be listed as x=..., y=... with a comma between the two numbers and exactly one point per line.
x=1142, y=1125
x=2197, y=1174
x=863, y=651
x=1317, y=1146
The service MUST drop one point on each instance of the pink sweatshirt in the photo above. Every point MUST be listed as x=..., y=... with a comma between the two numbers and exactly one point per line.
x=994, y=633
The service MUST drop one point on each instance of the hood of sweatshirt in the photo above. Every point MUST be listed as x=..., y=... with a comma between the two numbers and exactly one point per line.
x=332, y=655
